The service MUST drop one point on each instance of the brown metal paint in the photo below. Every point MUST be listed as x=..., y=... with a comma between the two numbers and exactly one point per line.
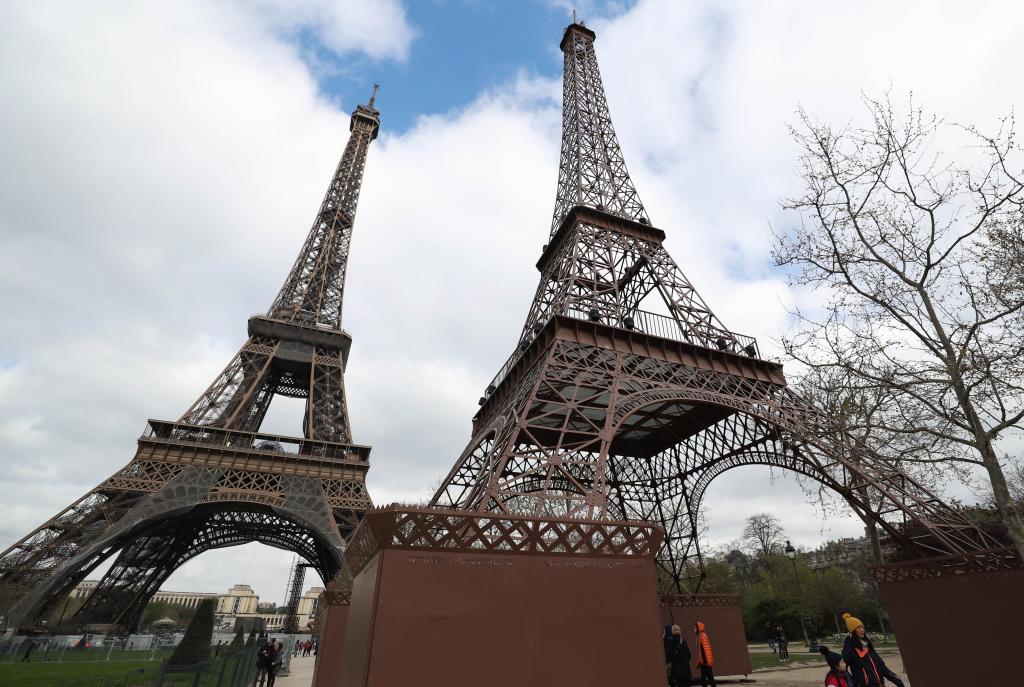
x=328, y=668
x=960, y=629
x=724, y=626
x=457, y=619
x=357, y=649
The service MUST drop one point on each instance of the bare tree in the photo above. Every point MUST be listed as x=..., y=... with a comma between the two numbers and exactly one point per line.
x=763, y=533
x=918, y=256
x=855, y=410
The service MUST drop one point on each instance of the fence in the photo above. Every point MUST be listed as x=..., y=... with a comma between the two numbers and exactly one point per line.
x=64, y=648
x=230, y=669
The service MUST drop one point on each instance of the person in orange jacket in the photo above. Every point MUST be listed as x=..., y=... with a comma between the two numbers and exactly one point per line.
x=705, y=659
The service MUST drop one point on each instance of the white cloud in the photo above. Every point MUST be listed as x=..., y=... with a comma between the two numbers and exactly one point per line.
x=161, y=166
x=377, y=28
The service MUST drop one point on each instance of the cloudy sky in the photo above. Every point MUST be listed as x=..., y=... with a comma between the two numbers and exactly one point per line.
x=160, y=164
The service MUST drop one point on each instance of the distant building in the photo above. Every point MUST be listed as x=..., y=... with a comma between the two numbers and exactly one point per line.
x=239, y=602
x=186, y=599
x=840, y=553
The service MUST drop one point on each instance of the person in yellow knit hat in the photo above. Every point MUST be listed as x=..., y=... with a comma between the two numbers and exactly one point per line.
x=865, y=665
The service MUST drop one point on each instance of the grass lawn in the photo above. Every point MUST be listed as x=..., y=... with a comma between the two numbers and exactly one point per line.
x=122, y=673
x=770, y=660
x=138, y=673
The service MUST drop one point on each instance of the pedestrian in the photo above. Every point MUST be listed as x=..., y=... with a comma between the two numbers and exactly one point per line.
x=771, y=643
x=29, y=646
x=668, y=643
x=865, y=665
x=679, y=660
x=705, y=658
x=837, y=675
x=263, y=657
x=275, y=664
x=316, y=646
x=782, y=642
x=295, y=648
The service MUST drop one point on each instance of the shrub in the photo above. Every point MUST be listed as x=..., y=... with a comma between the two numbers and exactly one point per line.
x=195, y=645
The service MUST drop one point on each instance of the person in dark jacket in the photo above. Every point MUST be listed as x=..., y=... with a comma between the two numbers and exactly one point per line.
x=669, y=644
x=865, y=665
x=677, y=656
x=263, y=657
x=782, y=642
x=276, y=659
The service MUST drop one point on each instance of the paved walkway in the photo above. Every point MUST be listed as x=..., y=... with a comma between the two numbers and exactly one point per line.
x=804, y=677
x=301, y=674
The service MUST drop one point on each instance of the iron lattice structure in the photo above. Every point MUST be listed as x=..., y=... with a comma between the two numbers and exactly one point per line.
x=212, y=479
x=625, y=396
x=295, y=581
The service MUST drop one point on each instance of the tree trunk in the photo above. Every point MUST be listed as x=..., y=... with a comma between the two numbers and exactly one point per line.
x=871, y=530
x=835, y=617
x=1009, y=511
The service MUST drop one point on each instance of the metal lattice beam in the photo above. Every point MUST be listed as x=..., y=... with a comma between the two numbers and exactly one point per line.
x=211, y=479
x=626, y=397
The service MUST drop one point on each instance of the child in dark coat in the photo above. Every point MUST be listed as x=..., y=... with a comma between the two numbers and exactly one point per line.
x=837, y=676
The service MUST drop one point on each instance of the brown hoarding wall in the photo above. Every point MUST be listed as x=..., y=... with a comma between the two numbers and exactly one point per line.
x=359, y=630
x=463, y=619
x=959, y=629
x=327, y=672
x=723, y=621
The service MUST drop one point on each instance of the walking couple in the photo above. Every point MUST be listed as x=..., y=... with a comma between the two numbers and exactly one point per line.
x=268, y=661
x=677, y=656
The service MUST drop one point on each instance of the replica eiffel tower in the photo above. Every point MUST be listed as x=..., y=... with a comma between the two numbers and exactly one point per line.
x=211, y=479
x=626, y=396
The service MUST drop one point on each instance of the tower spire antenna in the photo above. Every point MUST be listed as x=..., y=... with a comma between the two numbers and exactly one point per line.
x=373, y=95
x=592, y=171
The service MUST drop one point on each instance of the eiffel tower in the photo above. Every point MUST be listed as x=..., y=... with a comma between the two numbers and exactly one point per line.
x=211, y=479
x=626, y=396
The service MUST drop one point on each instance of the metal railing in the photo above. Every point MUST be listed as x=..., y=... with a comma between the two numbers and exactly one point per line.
x=706, y=336
x=651, y=324
x=256, y=442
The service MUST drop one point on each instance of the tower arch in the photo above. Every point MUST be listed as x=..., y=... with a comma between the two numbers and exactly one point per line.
x=209, y=479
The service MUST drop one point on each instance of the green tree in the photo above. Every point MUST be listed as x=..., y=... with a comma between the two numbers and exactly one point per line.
x=157, y=610
x=835, y=591
x=238, y=642
x=195, y=645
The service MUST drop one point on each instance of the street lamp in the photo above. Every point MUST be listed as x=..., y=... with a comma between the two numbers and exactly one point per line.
x=791, y=555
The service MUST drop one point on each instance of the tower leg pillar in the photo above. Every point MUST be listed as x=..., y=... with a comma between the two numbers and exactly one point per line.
x=456, y=598
x=983, y=593
x=334, y=609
